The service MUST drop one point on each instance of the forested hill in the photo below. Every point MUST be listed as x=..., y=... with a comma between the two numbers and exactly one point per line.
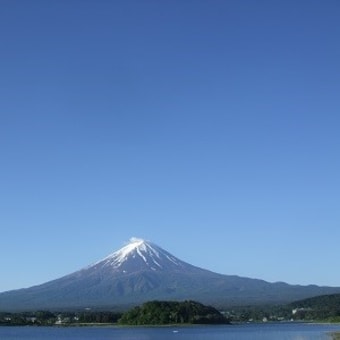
x=172, y=312
x=318, y=308
x=322, y=301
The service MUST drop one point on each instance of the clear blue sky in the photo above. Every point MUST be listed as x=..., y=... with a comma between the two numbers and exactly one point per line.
x=211, y=128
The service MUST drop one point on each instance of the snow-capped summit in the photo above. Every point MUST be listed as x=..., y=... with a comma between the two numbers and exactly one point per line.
x=142, y=271
x=139, y=255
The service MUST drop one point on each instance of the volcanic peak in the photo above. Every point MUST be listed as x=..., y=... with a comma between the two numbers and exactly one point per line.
x=147, y=254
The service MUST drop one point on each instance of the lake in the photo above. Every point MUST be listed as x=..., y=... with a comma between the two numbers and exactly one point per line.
x=282, y=331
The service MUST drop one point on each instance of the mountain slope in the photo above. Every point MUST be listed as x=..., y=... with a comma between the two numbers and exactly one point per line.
x=142, y=271
x=324, y=307
x=327, y=302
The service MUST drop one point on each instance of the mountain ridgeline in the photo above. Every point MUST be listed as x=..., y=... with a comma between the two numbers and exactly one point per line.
x=142, y=271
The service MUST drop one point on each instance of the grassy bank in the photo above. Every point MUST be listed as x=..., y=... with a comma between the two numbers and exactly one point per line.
x=336, y=336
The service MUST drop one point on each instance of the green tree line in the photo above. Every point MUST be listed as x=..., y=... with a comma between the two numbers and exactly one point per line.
x=172, y=312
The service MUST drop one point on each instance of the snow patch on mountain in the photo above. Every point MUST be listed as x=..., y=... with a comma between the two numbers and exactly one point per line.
x=148, y=254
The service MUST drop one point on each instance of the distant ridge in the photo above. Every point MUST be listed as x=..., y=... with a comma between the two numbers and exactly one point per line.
x=142, y=271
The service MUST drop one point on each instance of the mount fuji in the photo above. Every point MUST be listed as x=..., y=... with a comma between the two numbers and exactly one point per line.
x=142, y=271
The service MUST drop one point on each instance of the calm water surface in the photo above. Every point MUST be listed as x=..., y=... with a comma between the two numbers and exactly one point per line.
x=234, y=332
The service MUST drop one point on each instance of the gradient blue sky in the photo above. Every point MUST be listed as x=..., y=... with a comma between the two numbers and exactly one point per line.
x=208, y=127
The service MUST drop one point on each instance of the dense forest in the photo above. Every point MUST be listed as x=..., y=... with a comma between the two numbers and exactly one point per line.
x=320, y=308
x=324, y=307
x=172, y=312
